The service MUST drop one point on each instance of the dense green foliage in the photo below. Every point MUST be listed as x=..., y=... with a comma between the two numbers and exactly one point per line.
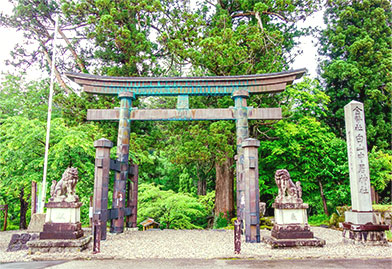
x=22, y=145
x=172, y=210
x=21, y=98
x=120, y=31
x=22, y=155
x=357, y=45
x=307, y=149
x=235, y=37
x=318, y=220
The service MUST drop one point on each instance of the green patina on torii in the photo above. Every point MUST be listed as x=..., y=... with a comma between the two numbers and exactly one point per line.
x=129, y=88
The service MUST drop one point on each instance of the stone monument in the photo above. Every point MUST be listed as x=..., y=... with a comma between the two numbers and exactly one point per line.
x=62, y=230
x=291, y=226
x=19, y=241
x=359, y=225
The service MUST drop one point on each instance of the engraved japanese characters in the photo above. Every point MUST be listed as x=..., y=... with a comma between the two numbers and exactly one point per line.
x=359, y=225
x=358, y=157
x=359, y=150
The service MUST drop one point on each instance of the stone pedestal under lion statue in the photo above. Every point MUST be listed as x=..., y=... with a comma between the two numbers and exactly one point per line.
x=291, y=226
x=62, y=231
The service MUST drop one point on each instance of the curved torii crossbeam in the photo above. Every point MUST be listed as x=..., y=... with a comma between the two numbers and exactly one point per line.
x=184, y=87
x=239, y=87
x=173, y=86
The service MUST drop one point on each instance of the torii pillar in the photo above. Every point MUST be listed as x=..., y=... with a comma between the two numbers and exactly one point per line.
x=242, y=131
x=120, y=178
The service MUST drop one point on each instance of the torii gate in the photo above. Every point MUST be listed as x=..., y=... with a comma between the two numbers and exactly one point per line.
x=239, y=87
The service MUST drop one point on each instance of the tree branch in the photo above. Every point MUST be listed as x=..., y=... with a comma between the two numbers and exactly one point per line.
x=260, y=23
x=57, y=73
x=252, y=13
x=79, y=61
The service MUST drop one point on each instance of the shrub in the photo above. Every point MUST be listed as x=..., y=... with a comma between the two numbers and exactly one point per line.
x=266, y=223
x=172, y=210
x=220, y=221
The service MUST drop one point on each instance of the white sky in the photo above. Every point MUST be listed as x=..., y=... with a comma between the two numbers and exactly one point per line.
x=308, y=59
x=10, y=38
x=308, y=44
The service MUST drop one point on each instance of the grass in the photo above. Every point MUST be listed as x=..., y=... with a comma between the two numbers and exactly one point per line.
x=388, y=234
x=318, y=220
x=382, y=208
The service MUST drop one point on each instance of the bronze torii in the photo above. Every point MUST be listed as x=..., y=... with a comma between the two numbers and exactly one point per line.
x=239, y=87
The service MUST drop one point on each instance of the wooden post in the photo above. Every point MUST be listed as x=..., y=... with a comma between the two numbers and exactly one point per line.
x=252, y=194
x=33, y=197
x=90, y=211
x=5, y=217
x=101, y=181
x=132, y=196
x=237, y=236
x=97, y=233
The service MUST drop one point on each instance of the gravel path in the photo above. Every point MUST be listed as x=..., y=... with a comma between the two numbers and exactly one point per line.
x=202, y=244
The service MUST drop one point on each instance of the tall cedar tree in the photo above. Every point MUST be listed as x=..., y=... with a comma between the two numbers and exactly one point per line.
x=357, y=45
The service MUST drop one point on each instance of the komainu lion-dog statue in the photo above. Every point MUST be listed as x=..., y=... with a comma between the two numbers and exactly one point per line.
x=64, y=190
x=286, y=185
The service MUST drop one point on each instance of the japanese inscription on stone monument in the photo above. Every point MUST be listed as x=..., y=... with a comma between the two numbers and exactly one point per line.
x=358, y=157
x=359, y=225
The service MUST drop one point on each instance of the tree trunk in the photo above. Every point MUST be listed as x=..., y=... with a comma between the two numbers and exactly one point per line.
x=23, y=210
x=224, y=201
x=202, y=186
x=374, y=195
x=201, y=182
x=323, y=198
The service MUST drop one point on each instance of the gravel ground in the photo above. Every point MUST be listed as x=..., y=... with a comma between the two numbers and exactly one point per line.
x=202, y=244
